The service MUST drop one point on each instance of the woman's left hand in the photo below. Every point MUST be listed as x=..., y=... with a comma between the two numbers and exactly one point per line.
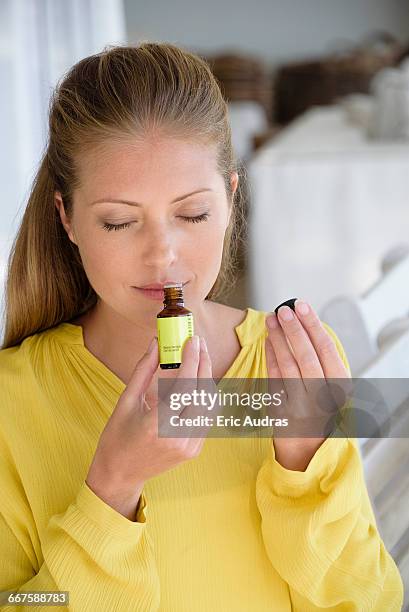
x=311, y=358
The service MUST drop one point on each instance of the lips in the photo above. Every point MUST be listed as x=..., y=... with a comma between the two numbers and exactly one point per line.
x=157, y=293
x=159, y=286
x=154, y=294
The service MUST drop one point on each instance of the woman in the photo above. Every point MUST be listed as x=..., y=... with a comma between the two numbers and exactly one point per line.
x=138, y=187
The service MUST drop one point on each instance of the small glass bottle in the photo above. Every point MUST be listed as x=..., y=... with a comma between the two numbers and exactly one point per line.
x=175, y=326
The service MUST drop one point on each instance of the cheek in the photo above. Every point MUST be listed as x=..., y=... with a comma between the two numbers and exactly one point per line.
x=103, y=259
x=215, y=235
x=206, y=247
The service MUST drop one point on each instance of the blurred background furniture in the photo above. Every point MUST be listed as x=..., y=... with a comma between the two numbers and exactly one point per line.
x=247, y=119
x=326, y=204
x=301, y=85
x=370, y=323
x=243, y=76
x=374, y=330
x=247, y=86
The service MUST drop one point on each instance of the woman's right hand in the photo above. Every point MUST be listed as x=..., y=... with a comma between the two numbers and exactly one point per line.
x=129, y=451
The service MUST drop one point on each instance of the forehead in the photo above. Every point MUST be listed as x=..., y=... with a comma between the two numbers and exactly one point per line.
x=143, y=168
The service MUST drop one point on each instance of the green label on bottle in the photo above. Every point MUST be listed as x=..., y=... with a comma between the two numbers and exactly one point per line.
x=172, y=335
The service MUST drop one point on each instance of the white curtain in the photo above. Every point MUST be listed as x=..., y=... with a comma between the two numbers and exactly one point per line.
x=39, y=41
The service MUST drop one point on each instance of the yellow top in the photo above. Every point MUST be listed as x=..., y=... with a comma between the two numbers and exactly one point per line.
x=231, y=530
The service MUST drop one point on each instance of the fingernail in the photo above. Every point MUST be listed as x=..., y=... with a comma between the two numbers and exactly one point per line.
x=271, y=320
x=302, y=307
x=285, y=313
x=152, y=344
x=195, y=340
x=203, y=344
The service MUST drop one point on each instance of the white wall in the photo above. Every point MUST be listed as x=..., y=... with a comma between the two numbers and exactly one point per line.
x=274, y=29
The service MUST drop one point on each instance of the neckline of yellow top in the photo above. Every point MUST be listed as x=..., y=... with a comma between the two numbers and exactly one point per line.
x=70, y=333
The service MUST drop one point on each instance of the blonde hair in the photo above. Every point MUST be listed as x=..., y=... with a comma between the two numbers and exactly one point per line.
x=122, y=92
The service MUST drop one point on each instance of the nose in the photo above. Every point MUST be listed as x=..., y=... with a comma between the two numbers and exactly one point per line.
x=159, y=251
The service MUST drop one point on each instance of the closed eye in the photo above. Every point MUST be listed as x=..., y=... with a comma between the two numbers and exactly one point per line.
x=198, y=219
x=110, y=226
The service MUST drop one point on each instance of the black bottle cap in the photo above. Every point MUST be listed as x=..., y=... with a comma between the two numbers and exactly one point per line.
x=290, y=303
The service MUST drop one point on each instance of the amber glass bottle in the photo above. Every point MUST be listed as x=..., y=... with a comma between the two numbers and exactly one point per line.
x=175, y=326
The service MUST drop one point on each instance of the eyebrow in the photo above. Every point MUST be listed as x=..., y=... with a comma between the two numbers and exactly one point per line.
x=130, y=203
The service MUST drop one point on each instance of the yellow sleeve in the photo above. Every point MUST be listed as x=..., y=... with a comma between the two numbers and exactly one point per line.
x=103, y=559
x=320, y=533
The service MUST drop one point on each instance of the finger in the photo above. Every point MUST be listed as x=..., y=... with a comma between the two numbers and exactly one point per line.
x=324, y=345
x=205, y=379
x=190, y=406
x=273, y=370
x=158, y=387
x=190, y=358
x=205, y=386
x=304, y=351
x=272, y=365
x=142, y=374
x=152, y=391
x=186, y=379
x=150, y=395
x=285, y=359
x=275, y=382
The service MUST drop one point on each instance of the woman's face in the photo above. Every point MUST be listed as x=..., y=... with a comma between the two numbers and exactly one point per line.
x=154, y=237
